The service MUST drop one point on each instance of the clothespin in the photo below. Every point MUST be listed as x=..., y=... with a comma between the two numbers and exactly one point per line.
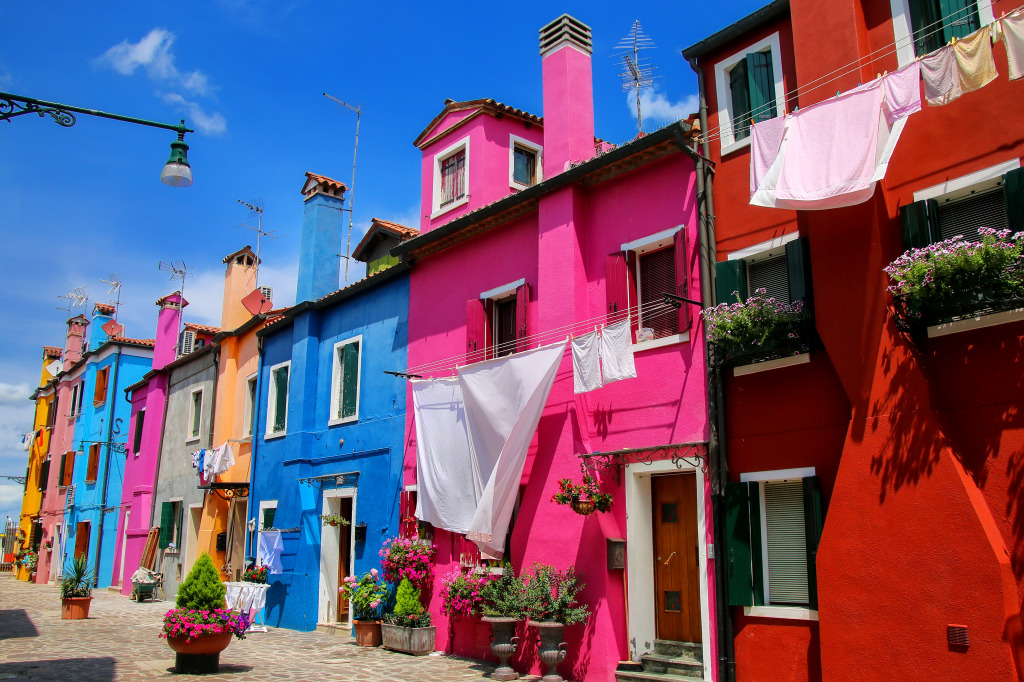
x=878, y=75
x=837, y=93
x=886, y=73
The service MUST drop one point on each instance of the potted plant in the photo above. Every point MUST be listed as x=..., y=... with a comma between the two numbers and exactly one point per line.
x=366, y=598
x=760, y=328
x=584, y=498
x=504, y=605
x=256, y=574
x=407, y=558
x=200, y=626
x=408, y=627
x=76, y=589
x=30, y=560
x=334, y=520
x=551, y=605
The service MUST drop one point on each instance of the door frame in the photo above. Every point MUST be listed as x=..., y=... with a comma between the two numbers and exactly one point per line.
x=640, y=557
x=327, y=600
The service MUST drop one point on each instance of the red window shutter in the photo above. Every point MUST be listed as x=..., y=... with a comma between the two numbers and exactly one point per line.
x=94, y=462
x=476, y=330
x=682, y=278
x=616, y=286
x=69, y=467
x=522, y=310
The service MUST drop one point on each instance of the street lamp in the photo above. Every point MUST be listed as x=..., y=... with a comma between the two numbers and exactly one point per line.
x=176, y=172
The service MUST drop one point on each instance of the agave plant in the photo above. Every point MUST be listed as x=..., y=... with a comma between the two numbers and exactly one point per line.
x=77, y=580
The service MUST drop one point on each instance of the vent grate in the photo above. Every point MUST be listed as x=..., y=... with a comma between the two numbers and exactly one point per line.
x=956, y=635
x=566, y=29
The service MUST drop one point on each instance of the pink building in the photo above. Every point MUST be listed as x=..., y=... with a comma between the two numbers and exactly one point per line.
x=533, y=229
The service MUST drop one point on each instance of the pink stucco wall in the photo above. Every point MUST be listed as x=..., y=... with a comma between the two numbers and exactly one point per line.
x=561, y=251
x=52, y=508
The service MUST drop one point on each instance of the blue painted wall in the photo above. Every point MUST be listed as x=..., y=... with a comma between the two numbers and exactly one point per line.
x=372, y=446
x=319, y=265
x=108, y=420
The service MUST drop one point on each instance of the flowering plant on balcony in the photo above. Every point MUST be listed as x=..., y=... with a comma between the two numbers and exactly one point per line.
x=584, y=498
x=759, y=328
x=958, y=276
x=256, y=574
x=406, y=558
x=367, y=595
x=462, y=593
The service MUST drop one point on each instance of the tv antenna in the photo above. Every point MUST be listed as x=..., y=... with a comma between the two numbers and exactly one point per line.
x=352, y=188
x=637, y=73
x=75, y=298
x=115, y=288
x=257, y=207
x=178, y=270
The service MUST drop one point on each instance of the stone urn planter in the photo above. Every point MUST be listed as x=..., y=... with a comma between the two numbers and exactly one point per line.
x=199, y=656
x=504, y=645
x=367, y=632
x=551, y=648
x=415, y=641
x=74, y=608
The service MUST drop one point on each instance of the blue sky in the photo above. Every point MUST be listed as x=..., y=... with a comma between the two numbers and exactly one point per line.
x=77, y=204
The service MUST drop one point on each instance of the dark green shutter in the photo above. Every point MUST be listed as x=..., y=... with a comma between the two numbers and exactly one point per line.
x=268, y=517
x=730, y=279
x=60, y=474
x=924, y=15
x=166, y=524
x=280, y=398
x=959, y=18
x=739, y=88
x=918, y=220
x=349, y=379
x=761, y=85
x=1013, y=194
x=738, y=544
x=813, y=522
x=798, y=261
x=757, y=567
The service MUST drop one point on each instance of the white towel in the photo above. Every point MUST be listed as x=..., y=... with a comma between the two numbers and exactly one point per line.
x=270, y=546
x=617, y=352
x=586, y=363
x=224, y=459
x=1011, y=30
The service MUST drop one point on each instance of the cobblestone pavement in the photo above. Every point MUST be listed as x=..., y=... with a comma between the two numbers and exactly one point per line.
x=120, y=641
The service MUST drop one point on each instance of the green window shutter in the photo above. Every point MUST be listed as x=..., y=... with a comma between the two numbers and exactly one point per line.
x=738, y=544
x=814, y=522
x=730, y=279
x=924, y=15
x=959, y=18
x=1013, y=194
x=798, y=261
x=349, y=379
x=786, y=542
x=280, y=398
x=918, y=220
x=60, y=474
x=761, y=85
x=166, y=524
x=738, y=88
x=268, y=516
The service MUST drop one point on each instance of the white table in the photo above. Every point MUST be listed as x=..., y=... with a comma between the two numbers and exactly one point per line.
x=246, y=597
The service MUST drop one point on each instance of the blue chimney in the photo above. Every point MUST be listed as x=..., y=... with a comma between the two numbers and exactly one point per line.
x=321, y=241
x=101, y=314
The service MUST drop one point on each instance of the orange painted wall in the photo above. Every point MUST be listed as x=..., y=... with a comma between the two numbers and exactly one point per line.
x=33, y=497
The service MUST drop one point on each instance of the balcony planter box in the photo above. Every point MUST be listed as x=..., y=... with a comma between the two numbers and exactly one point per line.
x=914, y=318
x=794, y=339
x=415, y=641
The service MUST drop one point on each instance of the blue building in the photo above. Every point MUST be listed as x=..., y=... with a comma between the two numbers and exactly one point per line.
x=329, y=423
x=95, y=466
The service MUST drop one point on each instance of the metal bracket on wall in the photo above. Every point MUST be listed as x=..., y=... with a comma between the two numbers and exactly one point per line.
x=227, y=491
x=119, y=448
x=348, y=479
x=691, y=454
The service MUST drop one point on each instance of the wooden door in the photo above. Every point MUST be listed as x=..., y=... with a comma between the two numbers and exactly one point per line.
x=82, y=539
x=676, y=573
x=344, y=555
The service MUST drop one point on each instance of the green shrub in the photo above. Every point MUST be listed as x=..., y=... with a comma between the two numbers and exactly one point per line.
x=76, y=580
x=506, y=596
x=551, y=595
x=409, y=612
x=202, y=590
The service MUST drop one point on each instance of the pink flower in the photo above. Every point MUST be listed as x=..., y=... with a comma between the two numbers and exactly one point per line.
x=374, y=573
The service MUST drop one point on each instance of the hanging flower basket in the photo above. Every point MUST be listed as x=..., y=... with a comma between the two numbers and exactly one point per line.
x=584, y=498
x=334, y=520
x=583, y=507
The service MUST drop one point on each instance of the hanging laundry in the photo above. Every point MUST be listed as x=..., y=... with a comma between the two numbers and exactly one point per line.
x=448, y=482
x=26, y=441
x=1011, y=29
x=223, y=459
x=617, y=353
x=504, y=399
x=586, y=363
x=209, y=456
x=269, y=548
x=974, y=60
x=765, y=141
x=941, y=76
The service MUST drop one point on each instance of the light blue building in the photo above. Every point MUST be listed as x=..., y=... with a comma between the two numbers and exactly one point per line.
x=95, y=467
x=329, y=423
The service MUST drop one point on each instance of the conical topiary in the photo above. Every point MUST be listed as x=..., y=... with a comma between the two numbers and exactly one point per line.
x=202, y=590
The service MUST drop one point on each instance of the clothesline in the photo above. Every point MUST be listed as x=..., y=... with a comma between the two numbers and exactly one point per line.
x=649, y=309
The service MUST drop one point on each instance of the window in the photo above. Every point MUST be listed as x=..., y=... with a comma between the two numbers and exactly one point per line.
x=93, y=466
x=67, y=468
x=749, y=86
x=100, y=392
x=451, y=173
x=781, y=268
x=51, y=411
x=504, y=325
x=81, y=397
x=170, y=525
x=638, y=277
x=987, y=198
x=140, y=418
x=524, y=163
x=277, y=406
x=497, y=322
x=345, y=381
x=74, y=399
x=268, y=510
x=250, y=405
x=921, y=26
x=773, y=524
x=44, y=475
x=195, y=415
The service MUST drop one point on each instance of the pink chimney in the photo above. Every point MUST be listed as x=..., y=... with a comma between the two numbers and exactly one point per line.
x=565, y=48
x=75, y=342
x=167, y=325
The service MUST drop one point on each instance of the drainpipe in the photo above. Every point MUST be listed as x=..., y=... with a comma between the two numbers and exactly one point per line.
x=716, y=400
x=106, y=467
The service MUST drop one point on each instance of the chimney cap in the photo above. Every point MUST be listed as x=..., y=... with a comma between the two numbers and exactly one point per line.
x=244, y=256
x=324, y=185
x=566, y=30
x=104, y=309
x=172, y=300
x=52, y=352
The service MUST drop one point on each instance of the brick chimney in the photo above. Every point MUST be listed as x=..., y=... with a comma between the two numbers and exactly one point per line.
x=321, y=240
x=239, y=280
x=74, y=345
x=565, y=48
x=167, y=323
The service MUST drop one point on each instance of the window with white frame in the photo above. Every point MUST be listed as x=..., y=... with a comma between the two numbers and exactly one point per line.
x=750, y=89
x=195, y=415
x=345, y=381
x=268, y=509
x=778, y=269
x=250, y=404
x=922, y=26
x=81, y=396
x=773, y=524
x=451, y=177
x=524, y=163
x=277, y=403
x=658, y=267
x=497, y=321
x=74, y=399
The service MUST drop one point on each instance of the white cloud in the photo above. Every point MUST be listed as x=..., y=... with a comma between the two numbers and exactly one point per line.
x=14, y=394
x=656, y=106
x=10, y=495
x=209, y=124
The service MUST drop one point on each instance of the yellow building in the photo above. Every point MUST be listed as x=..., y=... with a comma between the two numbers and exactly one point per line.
x=29, y=526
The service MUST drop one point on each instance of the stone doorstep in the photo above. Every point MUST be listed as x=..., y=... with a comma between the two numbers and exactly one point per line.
x=654, y=677
x=665, y=647
x=680, y=665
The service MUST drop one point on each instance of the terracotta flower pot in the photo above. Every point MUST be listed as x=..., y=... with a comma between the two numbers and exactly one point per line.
x=551, y=648
x=366, y=632
x=582, y=507
x=75, y=608
x=201, y=655
x=504, y=644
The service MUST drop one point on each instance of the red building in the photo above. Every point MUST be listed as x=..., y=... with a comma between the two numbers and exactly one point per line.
x=904, y=450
